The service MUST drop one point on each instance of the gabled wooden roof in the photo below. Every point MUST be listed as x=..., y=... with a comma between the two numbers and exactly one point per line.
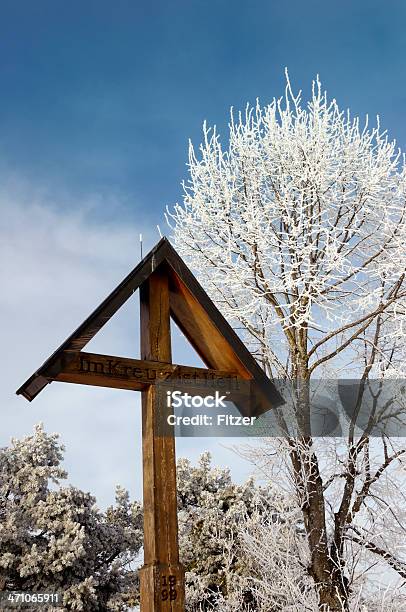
x=191, y=308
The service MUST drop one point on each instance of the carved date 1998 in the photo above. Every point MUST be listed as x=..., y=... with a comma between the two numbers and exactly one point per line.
x=168, y=590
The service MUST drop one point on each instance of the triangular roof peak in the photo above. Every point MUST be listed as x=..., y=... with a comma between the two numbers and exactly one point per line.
x=191, y=308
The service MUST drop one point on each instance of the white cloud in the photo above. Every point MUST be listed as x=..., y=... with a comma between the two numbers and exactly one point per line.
x=56, y=267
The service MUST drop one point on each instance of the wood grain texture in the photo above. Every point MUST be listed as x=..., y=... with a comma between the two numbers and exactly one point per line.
x=162, y=587
x=135, y=374
x=159, y=462
x=202, y=333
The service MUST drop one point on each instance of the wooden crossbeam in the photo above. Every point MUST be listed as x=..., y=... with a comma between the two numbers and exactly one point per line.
x=138, y=374
x=134, y=374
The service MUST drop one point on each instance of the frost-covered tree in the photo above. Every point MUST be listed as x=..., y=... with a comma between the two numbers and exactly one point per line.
x=297, y=229
x=54, y=538
x=214, y=514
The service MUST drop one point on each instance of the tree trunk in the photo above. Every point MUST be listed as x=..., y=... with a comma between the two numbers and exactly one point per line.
x=326, y=572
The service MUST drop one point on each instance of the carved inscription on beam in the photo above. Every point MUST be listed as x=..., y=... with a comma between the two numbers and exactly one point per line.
x=134, y=374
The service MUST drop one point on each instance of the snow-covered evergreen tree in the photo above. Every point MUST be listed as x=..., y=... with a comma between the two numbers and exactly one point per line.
x=215, y=516
x=53, y=538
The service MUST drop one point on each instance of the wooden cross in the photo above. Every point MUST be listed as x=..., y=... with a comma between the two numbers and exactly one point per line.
x=167, y=288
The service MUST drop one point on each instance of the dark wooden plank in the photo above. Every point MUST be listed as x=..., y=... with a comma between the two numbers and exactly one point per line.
x=135, y=374
x=201, y=332
x=161, y=550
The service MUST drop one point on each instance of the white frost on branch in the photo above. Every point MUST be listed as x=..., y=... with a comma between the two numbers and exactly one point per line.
x=297, y=229
x=299, y=223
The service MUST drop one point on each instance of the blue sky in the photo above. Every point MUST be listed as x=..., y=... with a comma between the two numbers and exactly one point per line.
x=98, y=101
x=101, y=97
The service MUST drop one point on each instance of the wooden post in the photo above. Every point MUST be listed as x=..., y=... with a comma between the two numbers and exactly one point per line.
x=162, y=583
